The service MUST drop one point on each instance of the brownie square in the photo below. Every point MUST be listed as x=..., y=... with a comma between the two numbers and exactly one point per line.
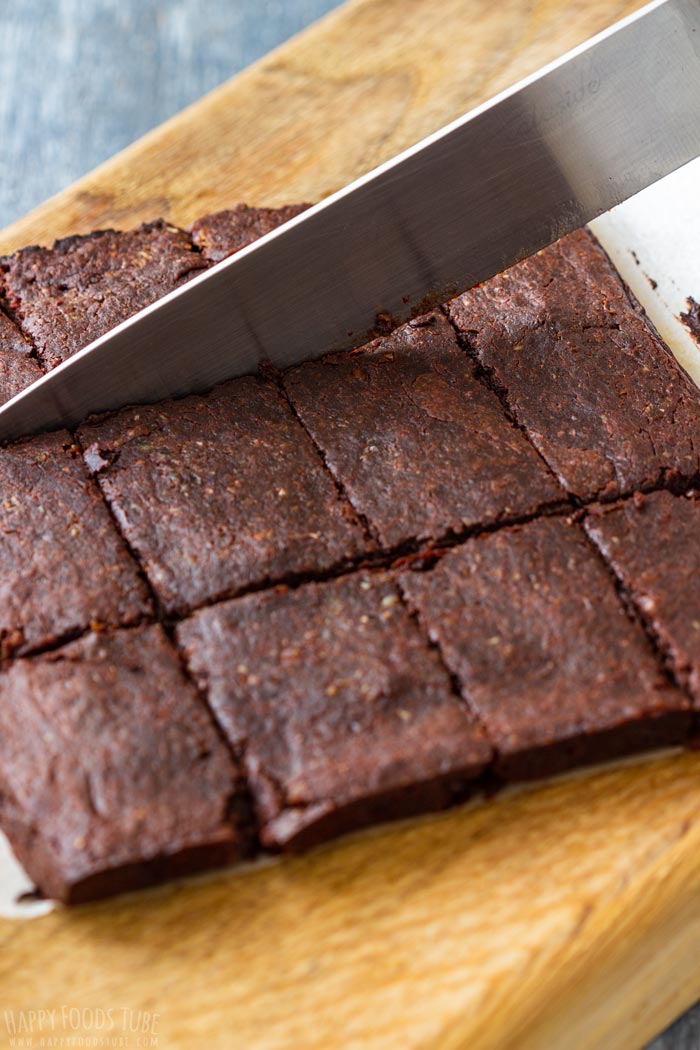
x=341, y=713
x=63, y=565
x=225, y=232
x=420, y=445
x=112, y=773
x=653, y=545
x=18, y=369
x=220, y=493
x=529, y=622
x=68, y=295
x=583, y=371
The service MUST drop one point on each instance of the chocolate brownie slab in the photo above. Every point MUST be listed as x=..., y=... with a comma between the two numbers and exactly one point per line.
x=112, y=773
x=599, y=394
x=70, y=294
x=529, y=622
x=62, y=563
x=220, y=493
x=653, y=545
x=17, y=368
x=225, y=232
x=342, y=714
x=420, y=445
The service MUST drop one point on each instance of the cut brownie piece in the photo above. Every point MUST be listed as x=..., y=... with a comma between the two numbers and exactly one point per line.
x=62, y=563
x=220, y=493
x=70, y=294
x=226, y=232
x=342, y=714
x=18, y=369
x=112, y=774
x=420, y=445
x=653, y=545
x=529, y=622
x=601, y=397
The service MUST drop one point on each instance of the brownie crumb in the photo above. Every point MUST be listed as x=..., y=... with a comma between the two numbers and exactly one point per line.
x=691, y=318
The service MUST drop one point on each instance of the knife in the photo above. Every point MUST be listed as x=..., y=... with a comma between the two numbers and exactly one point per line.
x=496, y=185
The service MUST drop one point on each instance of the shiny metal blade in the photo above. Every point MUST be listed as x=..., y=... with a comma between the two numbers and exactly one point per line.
x=503, y=181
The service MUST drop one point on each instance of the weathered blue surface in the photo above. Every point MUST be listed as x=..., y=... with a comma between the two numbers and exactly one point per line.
x=683, y=1035
x=81, y=79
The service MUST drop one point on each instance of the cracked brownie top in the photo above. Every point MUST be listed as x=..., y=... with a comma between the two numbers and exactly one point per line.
x=599, y=394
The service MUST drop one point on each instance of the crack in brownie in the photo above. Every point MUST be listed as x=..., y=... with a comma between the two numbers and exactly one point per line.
x=652, y=544
x=63, y=565
x=68, y=295
x=220, y=493
x=419, y=444
x=341, y=713
x=18, y=369
x=113, y=774
x=225, y=232
x=529, y=622
x=583, y=371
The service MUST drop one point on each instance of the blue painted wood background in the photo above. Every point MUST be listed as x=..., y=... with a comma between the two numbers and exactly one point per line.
x=81, y=79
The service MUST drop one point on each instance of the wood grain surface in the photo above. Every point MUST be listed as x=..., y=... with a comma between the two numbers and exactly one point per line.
x=563, y=916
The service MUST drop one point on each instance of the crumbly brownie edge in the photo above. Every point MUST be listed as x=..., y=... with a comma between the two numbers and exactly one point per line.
x=164, y=255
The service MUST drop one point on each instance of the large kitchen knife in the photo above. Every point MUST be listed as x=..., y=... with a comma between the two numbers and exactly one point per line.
x=515, y=174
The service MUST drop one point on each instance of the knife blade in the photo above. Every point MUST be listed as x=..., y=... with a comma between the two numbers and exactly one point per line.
x=503, y=181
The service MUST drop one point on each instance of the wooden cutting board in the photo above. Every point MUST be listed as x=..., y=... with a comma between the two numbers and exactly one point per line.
x=564, y=916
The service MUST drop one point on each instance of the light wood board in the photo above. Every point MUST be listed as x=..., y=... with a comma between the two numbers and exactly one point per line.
x=563, y=916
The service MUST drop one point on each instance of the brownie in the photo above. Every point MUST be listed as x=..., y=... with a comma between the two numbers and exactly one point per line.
x=653, y=545
x=529, y=622
x=341, y=713
x=226, y=232
x=419, y=444
x=112, y=772
x=220, y=493
x=70, y=294
x=583, y=371
x=62, y=563
x=18, y=368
